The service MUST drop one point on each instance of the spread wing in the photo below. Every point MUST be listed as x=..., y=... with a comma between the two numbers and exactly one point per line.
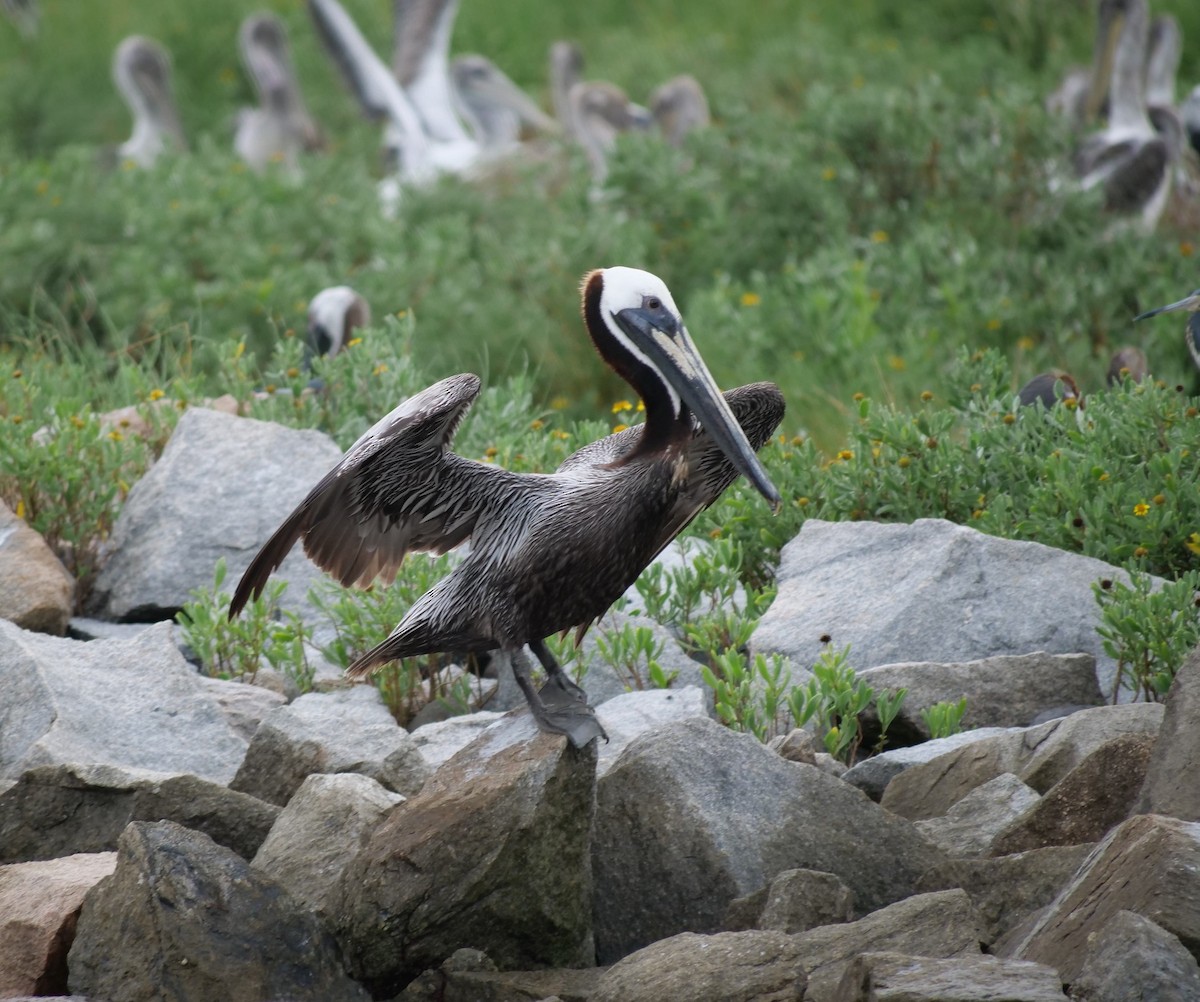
x=421, y=35
x=398, y=488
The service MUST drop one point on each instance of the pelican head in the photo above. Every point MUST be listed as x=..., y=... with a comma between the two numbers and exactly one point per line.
x=1048, y=388
x=566, y=69
x=679, y=107
x=1191, y=304
x=1118, y=61
x=142, y=74
x=333, y=314
x=600, y=112
x=1127, y=363
x=495, y=107
x=1164, y=48
x=650, y=347
x=263, y=45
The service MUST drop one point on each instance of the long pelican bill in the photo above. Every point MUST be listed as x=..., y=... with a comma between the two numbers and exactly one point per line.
x=1191, y=302
x=1110, y=24
x=659, y=335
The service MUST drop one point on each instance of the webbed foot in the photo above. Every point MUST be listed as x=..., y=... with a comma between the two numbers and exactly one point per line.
x=565, y=710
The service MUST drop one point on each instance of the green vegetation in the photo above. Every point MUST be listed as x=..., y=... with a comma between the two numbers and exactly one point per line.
x=871, y=223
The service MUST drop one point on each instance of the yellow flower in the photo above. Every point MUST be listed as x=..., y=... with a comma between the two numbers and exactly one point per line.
x=859, y=396
x=879, y=237
x=354, y=342
x=828, y=174
x=20, y=509
x=156, y=394
x=293, y=372
x=621, y=405
x=240, y=350
x=845, y=455
x=641, y=406
x=896, y=363
x=1103, y=477
x=43, y=186
x=227, y=76
x=976, y=387
x=715, y=533
x=751, y=299
x=903, y=462
x=77, y=421
x=1186, y=248
x=993, y=324
x=977, y=513
x=560, y=404
x=802, y=502
x=115, y=435
x=619, y=427
x=1009, y=418
x=1140, y=509
x=926, y=395
x=1141, y=551
x=1193, y=542
x=380, y=369
x=537, y=424
x=490, y=452
x=1159, y=499
x=1025, y=342
x=561, y=435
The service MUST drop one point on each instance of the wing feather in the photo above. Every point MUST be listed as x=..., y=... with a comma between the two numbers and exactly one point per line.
x=398, y=488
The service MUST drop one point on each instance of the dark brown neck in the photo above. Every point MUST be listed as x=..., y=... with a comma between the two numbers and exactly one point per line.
x=663, y=425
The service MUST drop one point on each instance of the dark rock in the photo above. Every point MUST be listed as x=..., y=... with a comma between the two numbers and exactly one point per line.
x=327, y=732
x=1008, y=889
x=795, y=901
x=795, y=746
x=931, y=591
x=1170, y=786
x=471, y=976
x=1090, y=800
x=491, y=854
x=1132, y=958
x=694, y=815
x=317, y=834
x=926, y=925
x=183, y=918
x=58, y=810
x=895, y=977
x=873, y=774
x=971, y=824
x=726, y=967
x=39, y=906
x=1040, y=756
x=1149, y=865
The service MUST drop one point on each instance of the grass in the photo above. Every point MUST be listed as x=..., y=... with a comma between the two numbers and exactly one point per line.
x=876, y=221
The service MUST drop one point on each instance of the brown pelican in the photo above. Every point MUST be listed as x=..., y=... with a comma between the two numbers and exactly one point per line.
x=333, y=315
x=280, y=127
x=1189, y=111
x=1128, y=159
x=566, y=70
x=1191, y=333
x=24, y=14
x=1048, y=388
x=494, y=106
x=679, y=107
x=142, y=73
x=1083, y=93
x=1127, y=363
x=600, y=112
x=549, y=552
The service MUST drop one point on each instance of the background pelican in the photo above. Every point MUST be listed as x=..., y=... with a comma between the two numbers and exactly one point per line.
x=679, y=107
x=1127, y=362
x=1048, y=389
x=494, y=106
x=333, y=315
x=566, y=70
x=280, y=127
x=24, y=14
x=600, y=111
x=1129, y=160
x=549, y=552
x=1190, y=113
x=1191, y=332
x=141, y=70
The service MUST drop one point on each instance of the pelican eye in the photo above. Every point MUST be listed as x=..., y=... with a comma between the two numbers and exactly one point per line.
x=652, y=303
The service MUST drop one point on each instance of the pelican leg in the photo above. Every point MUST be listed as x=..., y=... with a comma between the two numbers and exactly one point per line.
x=560, y=707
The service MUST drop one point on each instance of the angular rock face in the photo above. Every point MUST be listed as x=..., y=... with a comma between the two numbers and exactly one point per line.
x=39, y=905
x=1132, y=958
x=1007, y=890
x=221, y=487
x=56, y=810
x=329, y=732
x=795, y=901
x=1149, y=865
x=244, y=705
x=1008, y=691
x=122, y=703
x=1040, y=756
x=879, y=977
x=728, y=967
x=1170, y=786
x=317, y=834
x=971, y=825
x=183, y=918
x=1094, y=797
x=693, y=815
x=626, y=716
x=36, y=592
x=491, y=854
x=931, y=591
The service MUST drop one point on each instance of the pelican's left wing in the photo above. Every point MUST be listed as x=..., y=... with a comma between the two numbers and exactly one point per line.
x=398, y=488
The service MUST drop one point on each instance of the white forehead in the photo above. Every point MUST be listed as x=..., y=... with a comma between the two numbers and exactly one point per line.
x=329, y=306
x=625, y=288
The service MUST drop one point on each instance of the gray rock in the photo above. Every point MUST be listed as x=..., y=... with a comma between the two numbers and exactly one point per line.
x=122, y=703
x=931, y=591
x=221, y=487
x=36, y=592
x=926, y=925
x=1149, y=865
x=727, y=967
x=58, y=810
x=441, y=739
x=631, y=714
x=86, y=628
x=873, y=774
x=1170, y=786
x=345, y=731
x=895, y=977
x=39, y=903
x=1040, y=756
x=463, y=978
x=1008, y=889
x=491, y=854
x=326, y=822
x=182, y=918
x=715, y=815
x=1090, y=800
x=795, y=901
x=244, y=705
x=1006, y=691
x=971, y=825
x=795, y=746
x=1132, y=958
